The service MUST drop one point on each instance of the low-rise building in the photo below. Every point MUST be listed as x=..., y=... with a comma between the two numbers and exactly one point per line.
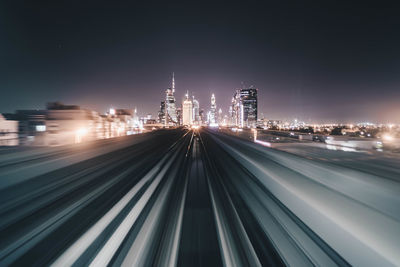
x=31, y=127
x=8, y=131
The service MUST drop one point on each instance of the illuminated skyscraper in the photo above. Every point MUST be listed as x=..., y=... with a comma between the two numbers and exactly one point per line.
x=170, y=107
x=187, y=111
x=243, y=110
x=213, y=111
x=196, y=111
x=248, y=99
x=161, y=113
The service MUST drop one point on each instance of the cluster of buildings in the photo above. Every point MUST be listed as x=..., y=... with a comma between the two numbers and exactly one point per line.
x=242, y=112
x=189, y=113
x=61, y=124
x=366, y=130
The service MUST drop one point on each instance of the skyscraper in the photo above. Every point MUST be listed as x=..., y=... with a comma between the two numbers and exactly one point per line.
x=170, y=104
x=161, y=113
x=236, y=109
x=187, y=111
x=213, y=111
x=196, y=111
x=243, y=110
x=248, y=99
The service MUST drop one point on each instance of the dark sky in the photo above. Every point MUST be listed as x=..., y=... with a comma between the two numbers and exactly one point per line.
x=313, y=61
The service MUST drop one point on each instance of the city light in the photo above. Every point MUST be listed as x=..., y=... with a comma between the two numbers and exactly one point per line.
x=387, y=137
x=40, y=128
x=79, y=134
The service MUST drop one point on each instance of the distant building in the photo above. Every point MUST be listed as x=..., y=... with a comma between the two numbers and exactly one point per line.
x=8, y=130
x=249, y=102
x=61, y=124
x=31, y=127
x=274, y=122
x=243, y=110
x=161, y=113
x=70, y=124
x=196, y=112
x=151, y=121
x=187, y=111
x=213, y=111
x=170, y=106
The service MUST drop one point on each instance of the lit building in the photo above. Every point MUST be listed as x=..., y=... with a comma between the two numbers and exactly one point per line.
x=129, y=120
x=235, y=109
x=31, y=127
x=213, y=111
x=187, y=111
x=161, y=113
x=196, y=112
x=170, y=104
x=8, y=130
x=69, y=124
x=63, y=124
x=249, y=102
x=243, y=109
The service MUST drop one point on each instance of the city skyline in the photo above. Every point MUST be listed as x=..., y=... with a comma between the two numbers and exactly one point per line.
x=306, y=63
x=204, y=104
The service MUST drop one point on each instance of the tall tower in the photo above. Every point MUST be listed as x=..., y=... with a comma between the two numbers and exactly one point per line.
x=170, y=116
x=213, y=111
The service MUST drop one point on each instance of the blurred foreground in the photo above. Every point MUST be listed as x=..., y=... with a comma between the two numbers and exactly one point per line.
x=197, y=198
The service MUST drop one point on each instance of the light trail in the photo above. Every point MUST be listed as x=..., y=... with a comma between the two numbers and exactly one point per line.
x=196, y=198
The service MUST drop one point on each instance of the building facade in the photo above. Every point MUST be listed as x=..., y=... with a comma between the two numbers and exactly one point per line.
x=8, y=131
x=196, y=112
x=244, y=108
x=63, y=124
x=213, y=111
x=170, y=105
x=187, y=111
x=161, y=113
x=250, y=107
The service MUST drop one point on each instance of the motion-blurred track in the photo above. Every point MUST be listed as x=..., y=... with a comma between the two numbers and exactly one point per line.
x=192, y=198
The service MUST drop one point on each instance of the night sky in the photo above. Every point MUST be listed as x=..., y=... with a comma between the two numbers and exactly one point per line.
x=330, y=62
